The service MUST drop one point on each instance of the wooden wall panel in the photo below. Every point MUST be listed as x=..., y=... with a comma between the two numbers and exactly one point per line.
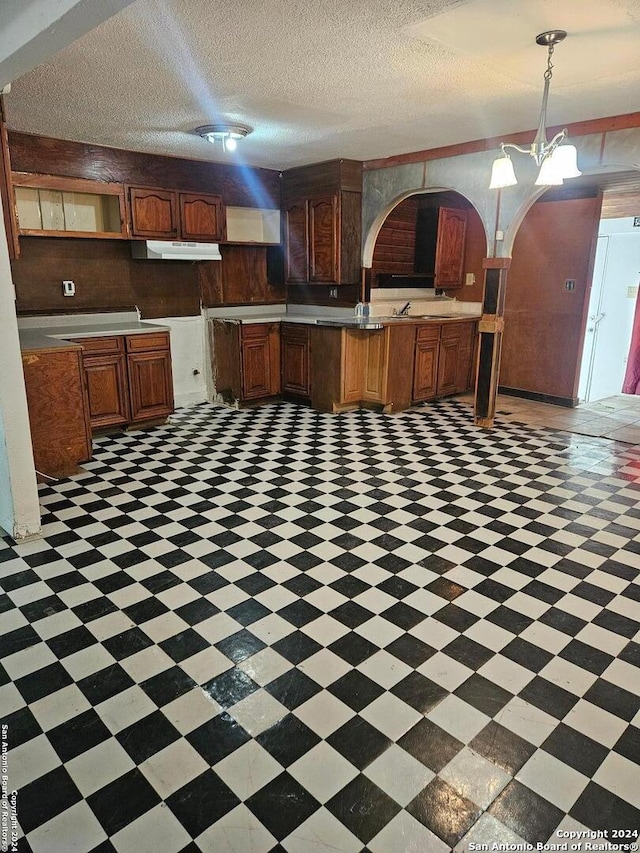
x=106, y=278
x=618, y=205
x=395, y=247
x=238, y=185
x=241, y=278
x=544, y=321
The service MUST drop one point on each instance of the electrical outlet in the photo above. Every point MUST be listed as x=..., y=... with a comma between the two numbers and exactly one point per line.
x=469, y=279
x=499, y=235
x=68, y=288
x=570, y=284
x=333, y=293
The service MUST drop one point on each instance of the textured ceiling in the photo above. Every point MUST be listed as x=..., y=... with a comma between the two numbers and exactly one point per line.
x=360, y=79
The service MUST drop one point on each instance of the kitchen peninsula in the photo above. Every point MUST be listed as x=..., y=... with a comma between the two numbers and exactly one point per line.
x=336, y=360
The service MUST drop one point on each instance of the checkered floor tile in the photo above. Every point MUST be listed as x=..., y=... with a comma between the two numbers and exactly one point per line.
x=275, y=629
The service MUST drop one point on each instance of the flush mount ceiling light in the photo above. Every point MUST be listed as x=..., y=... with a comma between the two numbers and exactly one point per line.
x=556, y=161
x=227, y=134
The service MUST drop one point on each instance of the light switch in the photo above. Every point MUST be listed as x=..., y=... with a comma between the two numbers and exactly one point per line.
x=68, y=288
x=470, y=278
x=632, y=291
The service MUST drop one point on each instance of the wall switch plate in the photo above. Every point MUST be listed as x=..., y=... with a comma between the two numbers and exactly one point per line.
x=469, y=279
x=68, y=288
x=570, y=284
x=333, y=293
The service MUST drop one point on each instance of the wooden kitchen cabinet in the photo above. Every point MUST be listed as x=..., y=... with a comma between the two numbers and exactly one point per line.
x=440, y=243
x=324, y=229
x=425, y=366
x=106, y=377
x=245, y=361
x=170, y=215
x=201, y=218
x=128, y=378
x=60, y=432
x=56, y=206
x=260, y=360
x=294, y=343
x=296, y=241
x=150, y=385
x=322, y=223
x=443, y=360
x=154, y=213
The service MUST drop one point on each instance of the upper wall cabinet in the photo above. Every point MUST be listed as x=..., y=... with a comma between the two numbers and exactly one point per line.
x=322, y=223
x=170, y=215
x=440, y=243
x=68, y=207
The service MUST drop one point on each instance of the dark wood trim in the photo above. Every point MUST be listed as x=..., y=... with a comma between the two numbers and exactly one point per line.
x=6, y=190
x=238, y=186
x=566, y=402
x=581, y=128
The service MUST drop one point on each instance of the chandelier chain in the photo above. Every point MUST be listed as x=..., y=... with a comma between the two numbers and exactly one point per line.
x=548, y=74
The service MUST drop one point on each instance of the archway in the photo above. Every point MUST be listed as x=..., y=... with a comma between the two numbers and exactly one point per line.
x=400, y=246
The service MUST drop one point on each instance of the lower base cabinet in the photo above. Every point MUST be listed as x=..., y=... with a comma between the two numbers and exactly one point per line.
x=60, y=432
x=338, y=368
x=443, y=360
x=245, y=361
x=296, y=378
x=128, y=377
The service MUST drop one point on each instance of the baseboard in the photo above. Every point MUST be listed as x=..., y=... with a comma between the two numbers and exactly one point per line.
x=566, y=402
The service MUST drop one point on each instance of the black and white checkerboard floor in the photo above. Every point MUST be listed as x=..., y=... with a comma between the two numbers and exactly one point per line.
x=281, y=630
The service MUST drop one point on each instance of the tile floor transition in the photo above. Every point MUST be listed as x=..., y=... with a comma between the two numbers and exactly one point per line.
x=277, y=630
x=616, y=417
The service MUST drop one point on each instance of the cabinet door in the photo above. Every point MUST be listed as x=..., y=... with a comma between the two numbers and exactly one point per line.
x=295, y=360
x=353, y=364
x=376, y=365
x=452, y=231
x=55, y=396
x=150, y=385
x=296, y=242
x=425, y=366
x=260, y=361
x=448, y=365
x=106, y=389
x=154, y=213
x=324, y=229
x=201, y=218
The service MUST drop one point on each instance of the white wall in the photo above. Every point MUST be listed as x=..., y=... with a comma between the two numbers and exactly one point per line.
x=187, y=355
x=19, y=510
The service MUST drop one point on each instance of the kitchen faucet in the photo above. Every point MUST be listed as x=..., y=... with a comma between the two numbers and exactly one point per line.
x=404, y=311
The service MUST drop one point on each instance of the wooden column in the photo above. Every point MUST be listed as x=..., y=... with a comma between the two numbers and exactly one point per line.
x=490, y=328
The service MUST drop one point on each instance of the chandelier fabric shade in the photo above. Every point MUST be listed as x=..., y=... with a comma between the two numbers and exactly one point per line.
x=557, y=161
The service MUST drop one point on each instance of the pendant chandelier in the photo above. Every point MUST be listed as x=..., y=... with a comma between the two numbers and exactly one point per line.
x=556, y=161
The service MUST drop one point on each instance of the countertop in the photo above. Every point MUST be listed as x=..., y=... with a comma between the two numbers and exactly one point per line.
x=242, y=316
x=57, y=337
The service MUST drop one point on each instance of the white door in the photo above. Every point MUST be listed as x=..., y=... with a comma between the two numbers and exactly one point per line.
x=611, y=310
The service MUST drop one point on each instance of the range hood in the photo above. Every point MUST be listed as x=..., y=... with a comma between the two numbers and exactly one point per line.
x=161, y=250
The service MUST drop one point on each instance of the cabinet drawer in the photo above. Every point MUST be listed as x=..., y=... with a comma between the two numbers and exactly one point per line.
x=428, y=333
x=254, y=330
x=147, y=342
x=100, y=346
x=454, y=330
